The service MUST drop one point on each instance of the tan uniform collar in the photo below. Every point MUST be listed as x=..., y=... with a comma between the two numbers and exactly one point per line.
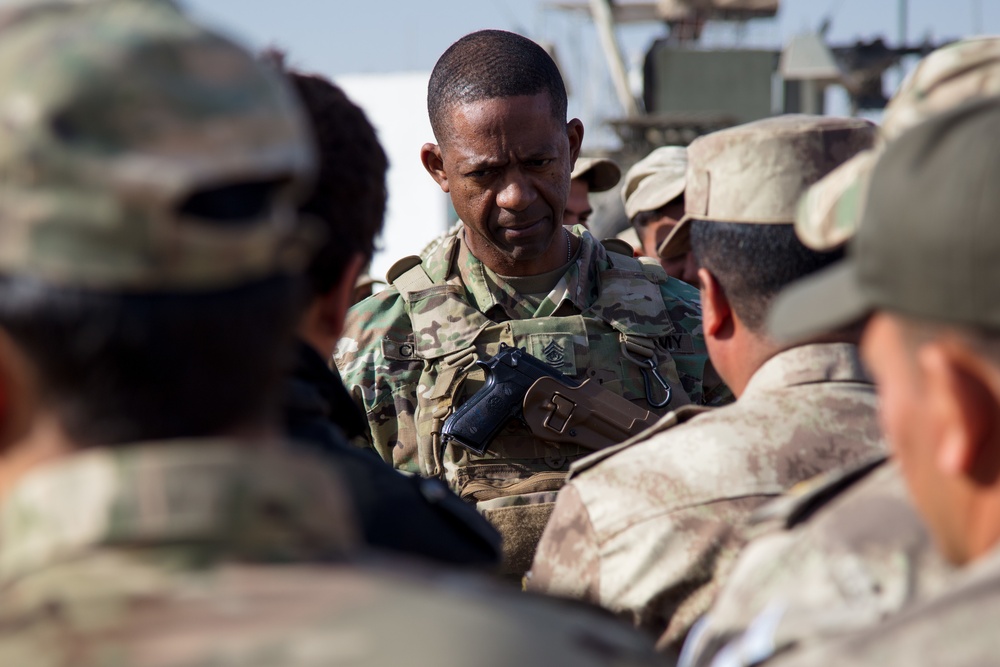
x=808, y=364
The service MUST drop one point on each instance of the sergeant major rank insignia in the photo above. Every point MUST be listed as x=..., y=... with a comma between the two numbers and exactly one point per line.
x=555, y=354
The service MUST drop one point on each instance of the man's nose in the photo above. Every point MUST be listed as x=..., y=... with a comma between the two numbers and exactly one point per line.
x=517, y=192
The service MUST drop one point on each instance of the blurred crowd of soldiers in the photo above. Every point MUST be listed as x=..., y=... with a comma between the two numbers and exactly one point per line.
x=214, y=451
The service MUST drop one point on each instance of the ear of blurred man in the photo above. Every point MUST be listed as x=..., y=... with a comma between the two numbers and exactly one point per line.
x=323, y=321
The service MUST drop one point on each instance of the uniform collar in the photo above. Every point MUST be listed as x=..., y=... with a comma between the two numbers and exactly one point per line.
x=493, y=296
x=808, y=364
x=252, y=501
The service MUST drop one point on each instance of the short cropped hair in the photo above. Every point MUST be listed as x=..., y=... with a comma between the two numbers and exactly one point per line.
x=491, y=64
x=350, y=193
x=754, y=262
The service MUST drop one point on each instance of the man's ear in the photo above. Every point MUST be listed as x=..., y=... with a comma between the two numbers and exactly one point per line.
x=431, y=157
x=18, y=392
x=574, y=132
x=716, y=313
x=963, y=401
x=341, y=297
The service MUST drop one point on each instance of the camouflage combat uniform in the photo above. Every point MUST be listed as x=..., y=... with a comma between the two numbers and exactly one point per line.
x=215, y=552
x=649, y=529
x=407, y=357
x=839, y=553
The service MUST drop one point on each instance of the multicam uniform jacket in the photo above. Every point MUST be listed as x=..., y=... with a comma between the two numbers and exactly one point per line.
x=408, y=356
x=211, y=553
x=839, y=553
x=651, y=528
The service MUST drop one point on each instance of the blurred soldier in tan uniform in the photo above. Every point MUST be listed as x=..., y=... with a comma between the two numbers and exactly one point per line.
x=590, y=174
x=653, y=195
x=844, y=551
x=149, y=513
x=651, y=528
x=931, y=340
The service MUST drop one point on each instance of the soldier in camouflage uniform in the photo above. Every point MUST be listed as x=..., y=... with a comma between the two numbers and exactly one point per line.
x=651, y=528
x=149, y=514
x=844, y=551
x=930, y=339
x=514, y=275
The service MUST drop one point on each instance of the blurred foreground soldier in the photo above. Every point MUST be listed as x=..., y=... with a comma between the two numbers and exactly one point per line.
x=653, y=195
x=590, y=174
x=513, y=275
x=932, y=340
x=150, y=516
x=651, y=528
x=408, y=514
x=845, y=551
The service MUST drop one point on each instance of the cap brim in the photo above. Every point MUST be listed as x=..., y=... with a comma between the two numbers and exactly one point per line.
x=819, y=304
x=678, y=241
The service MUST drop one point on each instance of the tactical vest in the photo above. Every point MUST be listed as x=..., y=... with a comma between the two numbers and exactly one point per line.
x=515, y=482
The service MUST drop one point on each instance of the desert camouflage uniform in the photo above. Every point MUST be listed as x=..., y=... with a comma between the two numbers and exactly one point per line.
x=407, y=352
x=211, y=552
x=651, y=528
x=839, y=553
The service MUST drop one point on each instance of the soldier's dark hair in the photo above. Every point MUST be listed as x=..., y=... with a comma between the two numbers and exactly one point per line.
x=121, y=368
x=754, y=262
x=491, y=64
x=349, y=197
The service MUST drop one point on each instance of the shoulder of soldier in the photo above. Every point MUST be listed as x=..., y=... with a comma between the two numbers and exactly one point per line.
x=369, y=322
x=665, y=424
x=804, y=499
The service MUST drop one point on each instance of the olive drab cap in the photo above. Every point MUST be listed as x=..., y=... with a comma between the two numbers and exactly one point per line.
x=928, y=242
x=600, y=172
x=116, y=118
x=756, y=173
x=655, y=180
x=830, y=211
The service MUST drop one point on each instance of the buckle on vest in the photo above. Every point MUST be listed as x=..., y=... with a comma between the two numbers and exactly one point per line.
x=642, y=352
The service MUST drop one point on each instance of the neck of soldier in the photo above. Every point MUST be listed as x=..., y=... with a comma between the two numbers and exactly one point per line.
x=46, y=441
x=561, y=247
x=737, y=353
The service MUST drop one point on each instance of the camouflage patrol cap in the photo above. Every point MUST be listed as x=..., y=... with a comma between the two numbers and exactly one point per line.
x=601, y=173
x=829, y=213
x=755, y=173
x=655, y=180
x=903, y=260
x=119, y=119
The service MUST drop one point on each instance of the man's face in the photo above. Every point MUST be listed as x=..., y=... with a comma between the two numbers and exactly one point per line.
x=578, y=208
x=506, y=164
x=656, y=231
x=910, y=424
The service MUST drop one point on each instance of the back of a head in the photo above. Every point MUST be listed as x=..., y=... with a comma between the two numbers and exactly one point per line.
x=148, y=187
x=491, y=64
x=349, y=197
x=742, y=188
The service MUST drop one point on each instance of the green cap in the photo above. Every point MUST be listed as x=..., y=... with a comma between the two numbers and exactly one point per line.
x=969, y=69
x=929, y=239
x=113, y=115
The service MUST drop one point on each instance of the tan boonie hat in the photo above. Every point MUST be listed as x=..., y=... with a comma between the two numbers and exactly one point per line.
x=903, y=259
x=655, y=180
x=119, y=119
x=601, y=173
x=965, y=70
x=756, y=173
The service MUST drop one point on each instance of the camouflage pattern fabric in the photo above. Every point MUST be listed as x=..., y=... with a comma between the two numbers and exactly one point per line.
x=950, y=628
x=209, y=553
x=837, y=554
x=408, y=364
x=651, y=531
x=965, y=70
x=115, y=115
